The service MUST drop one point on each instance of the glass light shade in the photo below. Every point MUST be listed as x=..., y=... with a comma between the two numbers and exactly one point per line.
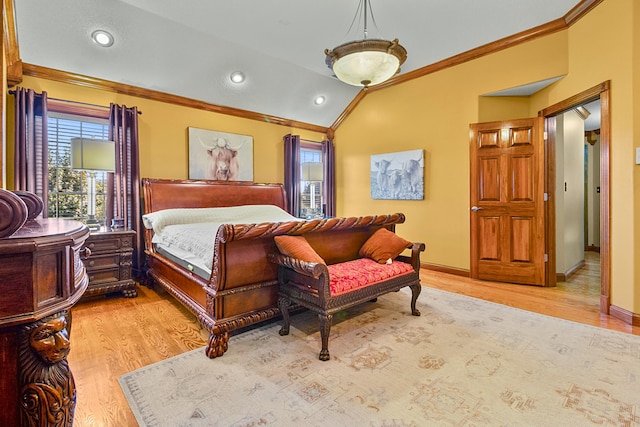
x=93, y=154
x=366, y=62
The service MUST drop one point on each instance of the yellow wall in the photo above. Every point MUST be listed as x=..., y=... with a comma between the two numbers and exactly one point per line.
x=163, y=132
x=434, y=112
x=636, y=143
x=500, y=108
x=600, y=49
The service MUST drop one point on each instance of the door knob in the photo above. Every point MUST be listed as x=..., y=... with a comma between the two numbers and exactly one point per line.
x=475, y=208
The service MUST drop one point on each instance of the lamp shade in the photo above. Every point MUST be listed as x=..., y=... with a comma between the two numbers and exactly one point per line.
x=93, y=154
x=312, y=171
x=366, y=62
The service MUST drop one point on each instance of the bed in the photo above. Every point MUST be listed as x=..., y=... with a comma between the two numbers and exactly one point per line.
x=238, y=287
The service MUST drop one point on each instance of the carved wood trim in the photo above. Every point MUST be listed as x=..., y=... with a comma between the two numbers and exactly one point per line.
x=229, y=232
x=47, y=387
x=95, y=83
x=573, y=16
x=489, y=48
x=13, y=213
x=32, y=201
x=16, y=69
x=11, y=48
x=580, y=10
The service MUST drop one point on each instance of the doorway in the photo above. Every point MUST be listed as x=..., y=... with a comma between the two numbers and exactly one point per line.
x=601, y=93
x=487, y=170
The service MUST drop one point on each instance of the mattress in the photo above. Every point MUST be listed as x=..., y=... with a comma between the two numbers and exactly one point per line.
x=187, y=236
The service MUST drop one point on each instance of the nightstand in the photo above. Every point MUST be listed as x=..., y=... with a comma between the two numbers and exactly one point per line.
x=109, y=263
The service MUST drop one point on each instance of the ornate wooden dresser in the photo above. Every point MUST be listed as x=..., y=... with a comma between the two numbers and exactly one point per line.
x=41, y=277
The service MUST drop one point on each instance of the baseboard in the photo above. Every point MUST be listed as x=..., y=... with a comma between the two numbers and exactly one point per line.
x=563, y=277
x=626, y=316
x=445, y=269
x=592, y=249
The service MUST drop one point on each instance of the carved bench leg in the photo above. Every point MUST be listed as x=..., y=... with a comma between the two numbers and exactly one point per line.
x=218, y=344
x=415, y=292
x=283, y=305
x=325, y=329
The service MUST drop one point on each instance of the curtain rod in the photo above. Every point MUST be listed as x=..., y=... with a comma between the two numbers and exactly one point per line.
x=13, y=92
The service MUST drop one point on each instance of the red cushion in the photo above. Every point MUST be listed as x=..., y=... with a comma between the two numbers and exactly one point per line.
x=383, y=245
x=350, y=275
x=297, y=247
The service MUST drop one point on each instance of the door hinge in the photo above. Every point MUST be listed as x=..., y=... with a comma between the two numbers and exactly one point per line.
x=545, y=135
x=546, y=197
x=546, y=257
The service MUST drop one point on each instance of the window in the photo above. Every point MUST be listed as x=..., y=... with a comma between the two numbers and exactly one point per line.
x=68, y=188
x=312, y=193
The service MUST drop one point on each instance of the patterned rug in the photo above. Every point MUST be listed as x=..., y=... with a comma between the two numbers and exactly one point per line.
x=464, y=362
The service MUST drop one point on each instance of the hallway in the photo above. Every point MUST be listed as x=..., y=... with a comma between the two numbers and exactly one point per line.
x=585, y=281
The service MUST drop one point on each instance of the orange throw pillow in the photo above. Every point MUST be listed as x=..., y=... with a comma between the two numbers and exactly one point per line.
x=297, y=247
x=383, y=245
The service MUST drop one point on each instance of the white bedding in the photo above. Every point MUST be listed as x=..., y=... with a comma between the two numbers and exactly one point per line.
x=189, y=234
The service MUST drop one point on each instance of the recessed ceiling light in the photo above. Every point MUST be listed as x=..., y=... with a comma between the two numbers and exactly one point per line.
x=319, y=100
x=102, y=37
x=237, y=77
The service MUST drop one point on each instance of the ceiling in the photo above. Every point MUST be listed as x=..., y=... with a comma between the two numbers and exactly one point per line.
x=190, y=48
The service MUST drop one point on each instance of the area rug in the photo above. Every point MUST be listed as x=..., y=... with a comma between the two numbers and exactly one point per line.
x=464, y=362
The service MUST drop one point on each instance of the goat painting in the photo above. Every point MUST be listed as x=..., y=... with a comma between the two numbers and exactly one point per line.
x=220, y=156
x=398, y=176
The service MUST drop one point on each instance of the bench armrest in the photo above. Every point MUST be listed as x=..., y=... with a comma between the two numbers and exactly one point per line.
x=311, y=269
x=414, y=259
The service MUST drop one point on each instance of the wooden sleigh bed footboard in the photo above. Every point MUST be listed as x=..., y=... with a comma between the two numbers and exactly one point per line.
x=249, y=294
x=242, y=289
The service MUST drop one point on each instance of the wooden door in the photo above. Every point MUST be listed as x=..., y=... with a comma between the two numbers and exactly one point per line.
x=507, y=201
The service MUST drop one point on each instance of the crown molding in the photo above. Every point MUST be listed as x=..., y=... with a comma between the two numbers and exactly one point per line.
x=109, y=86
x=11, y=49
x=15, y=70
x=580, y=10
x=573, y=16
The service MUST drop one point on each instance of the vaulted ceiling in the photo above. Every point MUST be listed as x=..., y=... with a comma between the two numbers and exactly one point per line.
x=190, y=48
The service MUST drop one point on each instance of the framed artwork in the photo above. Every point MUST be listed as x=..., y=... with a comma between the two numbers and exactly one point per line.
x=398, y=176
x=220, y=156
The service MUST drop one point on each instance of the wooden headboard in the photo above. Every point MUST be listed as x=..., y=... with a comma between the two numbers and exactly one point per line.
x=167, y=194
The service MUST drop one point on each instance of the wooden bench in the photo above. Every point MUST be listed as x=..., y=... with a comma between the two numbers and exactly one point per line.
x=327, y=289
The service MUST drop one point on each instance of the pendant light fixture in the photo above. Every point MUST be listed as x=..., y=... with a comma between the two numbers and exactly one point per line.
x=368, y=61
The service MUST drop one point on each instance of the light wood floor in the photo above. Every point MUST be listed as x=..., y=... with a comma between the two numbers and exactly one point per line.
x=113, y=335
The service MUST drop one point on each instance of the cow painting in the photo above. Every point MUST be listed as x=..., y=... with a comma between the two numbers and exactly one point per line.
x=220, y=156
x=223, y=164
x=398, y=176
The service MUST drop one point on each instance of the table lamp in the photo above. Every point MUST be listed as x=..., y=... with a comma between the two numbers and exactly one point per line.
x=92, y=155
